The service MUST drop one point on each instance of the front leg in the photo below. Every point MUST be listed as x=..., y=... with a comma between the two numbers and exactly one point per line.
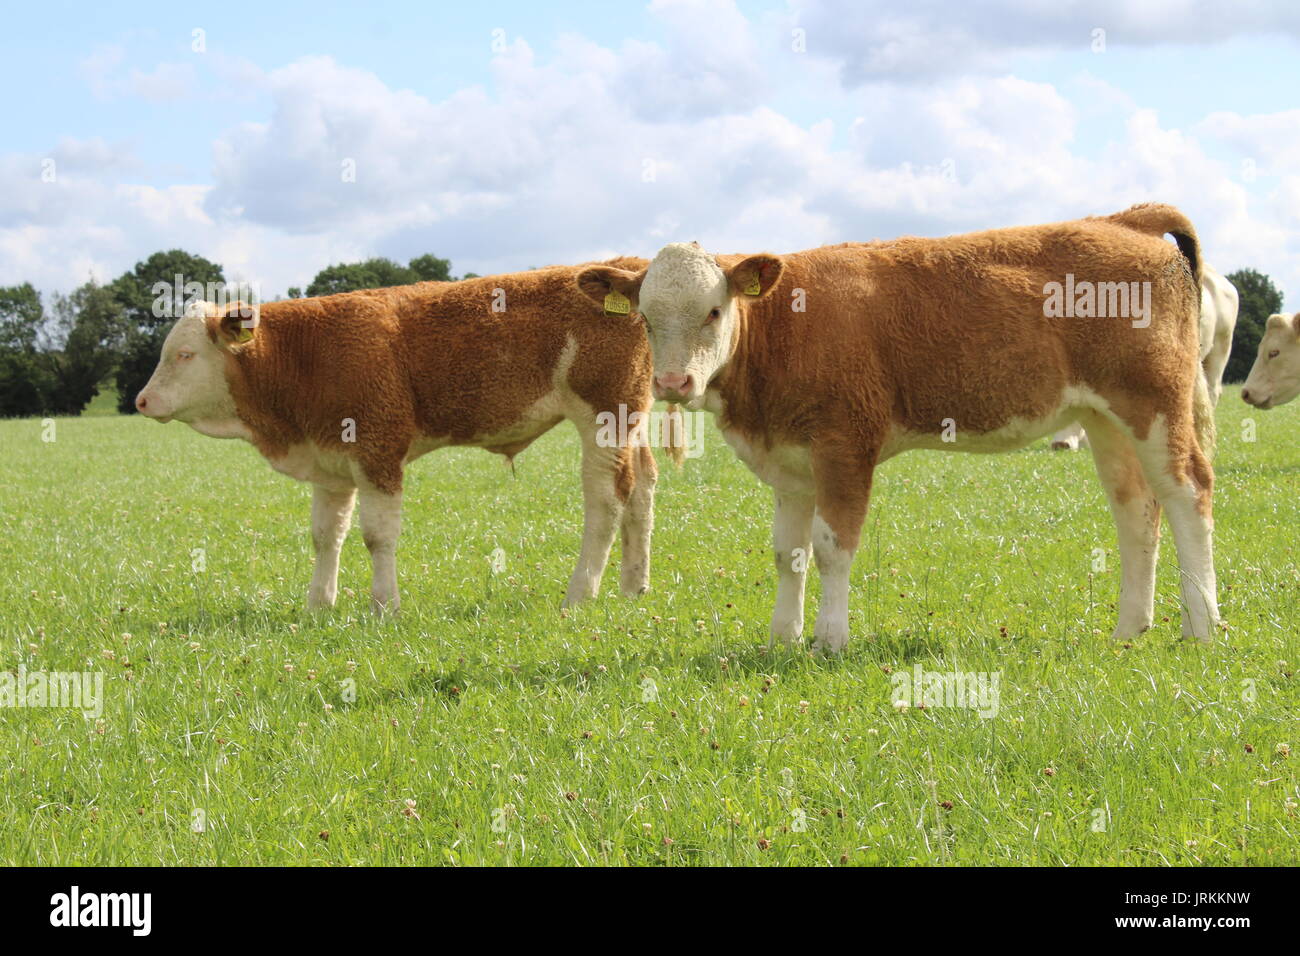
x=331, y=515
x=843, y=490
x=381, y=522
x=604, y=472
x=792, y=548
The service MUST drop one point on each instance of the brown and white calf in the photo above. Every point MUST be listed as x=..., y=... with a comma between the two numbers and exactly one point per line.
x=344, y=391
x=822, y=364
x=1218, y=318
x=1274, y=379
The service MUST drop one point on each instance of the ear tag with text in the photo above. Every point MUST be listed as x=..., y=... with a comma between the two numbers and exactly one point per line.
x=616, y=303
x=245, y=334
x=752, y=287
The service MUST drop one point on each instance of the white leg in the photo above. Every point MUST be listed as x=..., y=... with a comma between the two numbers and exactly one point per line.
x=601, y=510
x=792, y=548
x=331, y=514
x=1137, y=521
x=1070, y=438
x=1193, y=533
x=638, y=523
x=1188, y=508
x=831, y=632
x=381, y=522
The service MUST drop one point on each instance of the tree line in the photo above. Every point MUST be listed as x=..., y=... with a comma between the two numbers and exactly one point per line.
x=55, y=360
x=57, y=354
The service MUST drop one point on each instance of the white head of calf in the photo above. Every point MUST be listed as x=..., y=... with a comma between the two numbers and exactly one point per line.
x=690, y=307
x=1274, y=379
x=190, y=383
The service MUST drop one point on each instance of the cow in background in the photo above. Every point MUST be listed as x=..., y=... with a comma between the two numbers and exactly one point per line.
x=1274, y=379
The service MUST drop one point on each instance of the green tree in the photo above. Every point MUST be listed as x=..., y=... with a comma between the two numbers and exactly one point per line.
x=377, y=273
x=25, y=384
x=82, y=341
x=152, y=296
x=21, y=314
x=429, y=268
x=1258, y=299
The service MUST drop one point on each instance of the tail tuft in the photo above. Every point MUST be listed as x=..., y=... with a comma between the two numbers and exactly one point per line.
x=673, y=434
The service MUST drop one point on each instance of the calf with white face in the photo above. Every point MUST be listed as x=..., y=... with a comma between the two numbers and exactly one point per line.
x=1274, y=379
x=689, y=308
x=189, y=385
x=823, y=364
x=344, y=391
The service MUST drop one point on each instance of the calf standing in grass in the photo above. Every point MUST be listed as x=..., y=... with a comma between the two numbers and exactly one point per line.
x=823, y=364
x=343, y=391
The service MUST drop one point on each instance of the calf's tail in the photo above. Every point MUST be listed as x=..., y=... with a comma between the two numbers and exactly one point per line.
x=673, y=434
x=1156, y=219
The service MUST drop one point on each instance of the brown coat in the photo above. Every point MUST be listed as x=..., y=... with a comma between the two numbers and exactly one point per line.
x=902, y=335
x=430, y=361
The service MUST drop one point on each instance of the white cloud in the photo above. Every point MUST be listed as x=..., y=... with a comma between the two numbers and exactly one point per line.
x=599, y=150
x=879, y=40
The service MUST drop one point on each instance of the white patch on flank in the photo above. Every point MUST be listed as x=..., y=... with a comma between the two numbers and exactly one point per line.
x=1016, y=433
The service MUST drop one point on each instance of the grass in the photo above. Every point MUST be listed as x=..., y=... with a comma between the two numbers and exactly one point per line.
x=487, y=727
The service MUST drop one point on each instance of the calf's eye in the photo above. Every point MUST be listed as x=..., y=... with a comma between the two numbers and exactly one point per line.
x=1275, y=353
x=184, y=356
x=714, y=314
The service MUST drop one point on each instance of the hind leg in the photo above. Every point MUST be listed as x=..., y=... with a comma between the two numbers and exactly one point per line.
x=638, y=523
x=1180, y=475
x=1137, y=521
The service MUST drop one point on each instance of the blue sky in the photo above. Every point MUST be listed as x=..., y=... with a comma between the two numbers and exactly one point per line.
x=587, y=129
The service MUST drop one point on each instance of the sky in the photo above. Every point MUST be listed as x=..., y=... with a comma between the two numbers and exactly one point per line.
x=277, y=139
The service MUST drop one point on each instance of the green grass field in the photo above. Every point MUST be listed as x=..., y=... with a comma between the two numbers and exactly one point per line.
x=488, y=727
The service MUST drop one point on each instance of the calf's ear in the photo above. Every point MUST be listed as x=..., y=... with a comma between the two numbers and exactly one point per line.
x=235, y=325
x=615, y=290
x=755, y=276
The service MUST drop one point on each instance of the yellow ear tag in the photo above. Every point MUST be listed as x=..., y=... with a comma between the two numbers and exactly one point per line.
x=616, y=303
x=752, y=287
x=245, y=334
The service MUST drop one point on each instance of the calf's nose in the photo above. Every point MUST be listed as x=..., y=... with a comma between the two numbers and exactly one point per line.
x=141, y=403
x=1245, y=396
x=673, y=382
